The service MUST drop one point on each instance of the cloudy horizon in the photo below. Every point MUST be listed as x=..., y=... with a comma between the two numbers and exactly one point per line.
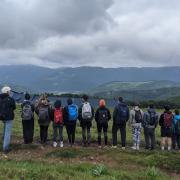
x=103, y=33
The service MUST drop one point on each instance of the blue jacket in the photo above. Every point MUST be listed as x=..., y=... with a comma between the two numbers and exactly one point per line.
x=176, y=118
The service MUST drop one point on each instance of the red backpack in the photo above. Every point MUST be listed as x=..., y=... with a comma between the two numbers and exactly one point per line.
x=58, y=115
x=168, y=117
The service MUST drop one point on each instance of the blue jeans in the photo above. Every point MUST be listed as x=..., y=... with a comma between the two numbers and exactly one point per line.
x=7, y=134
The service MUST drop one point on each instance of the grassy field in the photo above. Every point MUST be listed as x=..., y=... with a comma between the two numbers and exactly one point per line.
x=45, y=162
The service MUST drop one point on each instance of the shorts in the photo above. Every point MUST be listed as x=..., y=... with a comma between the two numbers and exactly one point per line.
x=166, y=132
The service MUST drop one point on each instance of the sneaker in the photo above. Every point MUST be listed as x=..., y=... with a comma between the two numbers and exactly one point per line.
x=61, y=144
x=114, y=147
x=133, y=147
x=137, y=147
x=99, y=146
x=169, y=148
x=162, y=148
x=123, y=148
x=54, y=144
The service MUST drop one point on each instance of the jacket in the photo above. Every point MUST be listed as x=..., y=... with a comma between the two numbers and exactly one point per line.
x=146, y=119
x=117, y=118
x=97, y=113
x=132, y=120
x=175, y=119
x=10, y=106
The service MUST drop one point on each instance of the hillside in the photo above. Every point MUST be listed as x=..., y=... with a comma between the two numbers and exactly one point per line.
x=40, y=79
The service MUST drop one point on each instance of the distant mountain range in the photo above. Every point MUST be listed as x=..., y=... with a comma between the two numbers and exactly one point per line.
x=132, y=83
x=81, y=79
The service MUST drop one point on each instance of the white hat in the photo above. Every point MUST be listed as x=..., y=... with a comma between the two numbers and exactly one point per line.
x=5, y=89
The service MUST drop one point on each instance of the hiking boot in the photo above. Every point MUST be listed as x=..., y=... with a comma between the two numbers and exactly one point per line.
x=133, y=147
x=123, y=148
x=54, y=144
x=61, y=144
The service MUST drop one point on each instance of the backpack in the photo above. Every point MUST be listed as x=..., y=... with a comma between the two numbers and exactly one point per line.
x=168, y=120
x=43, y=114
x=27, y=113
x=152, y=118
x=138, y=116
x=177, y=127
x=86, y=111
x=122, y=114
x=58, y=115
x=3, y=109
x=73, y=112
x=103, y=116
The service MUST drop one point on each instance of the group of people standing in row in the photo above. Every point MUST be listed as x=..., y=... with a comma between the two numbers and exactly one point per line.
x=67, y=116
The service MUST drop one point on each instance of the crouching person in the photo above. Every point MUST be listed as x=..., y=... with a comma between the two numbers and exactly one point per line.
x=136, y=118
x=150, y=122
x=7, y=107
x=57, y=123
x=70, y=118
x=27, y=119
x=102, y=116
x=43, y=111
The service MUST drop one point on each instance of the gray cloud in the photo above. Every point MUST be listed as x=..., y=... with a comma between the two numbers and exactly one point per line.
x=97, y=33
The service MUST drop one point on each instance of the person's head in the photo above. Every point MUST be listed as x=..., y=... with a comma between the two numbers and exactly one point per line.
x=151, y=106
x=69, y=101
x=43, y=100
x=27, y=96
x=136, y=104
x=85, y=98
x=6, y=90
x=102, y=103
x=120, y=99
x=176, y=112
x=57, y=104
x=167, y=107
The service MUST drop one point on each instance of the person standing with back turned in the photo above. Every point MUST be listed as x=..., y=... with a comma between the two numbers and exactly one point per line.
x=120, y=117
x=7, y=107
x=85, y=116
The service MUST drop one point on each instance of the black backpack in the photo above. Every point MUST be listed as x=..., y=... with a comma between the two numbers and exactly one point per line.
x=122, y=115
x=3, y=108
x=103, y=116
x=138, y=116
x=43, y=114
x=152, y=118
x=177, y=127
x=27, y=113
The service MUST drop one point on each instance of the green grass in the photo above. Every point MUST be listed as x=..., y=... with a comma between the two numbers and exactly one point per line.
x=37, y=162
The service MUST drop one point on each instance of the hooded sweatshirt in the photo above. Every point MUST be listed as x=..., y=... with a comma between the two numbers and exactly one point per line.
x=132, y=116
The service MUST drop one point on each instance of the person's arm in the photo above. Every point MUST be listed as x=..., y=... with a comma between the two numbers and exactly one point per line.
x=115, y=114
x=156, y=123
x=80, y=114
x=97, y=115
x=13, y=104
x=92, y=113
x=145, y=116
x=65, y=114
x=130, y=118
x=161, y=120
x=109, y=114
x=128, y=114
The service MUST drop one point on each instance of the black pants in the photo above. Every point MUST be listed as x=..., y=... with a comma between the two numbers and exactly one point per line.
x=176, y=140
x=28, y=130
x=71, y=129
x=43, y=133
x=149, y=136
x=103, y=127
x=115, y=129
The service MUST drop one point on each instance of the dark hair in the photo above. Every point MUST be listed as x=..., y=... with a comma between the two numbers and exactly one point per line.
x=176, y=111
x=151, y=106
x=120, y=99
x=137, y=104
x=85, y=97
x=69, y=101
x=27, y=96
x=167, y=107
x=57, y=104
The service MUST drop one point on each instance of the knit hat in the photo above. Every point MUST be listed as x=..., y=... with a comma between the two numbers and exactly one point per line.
x=102, y=103
x=5, y=89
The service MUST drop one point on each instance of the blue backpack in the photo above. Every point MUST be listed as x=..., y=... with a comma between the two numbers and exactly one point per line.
x=73, y=112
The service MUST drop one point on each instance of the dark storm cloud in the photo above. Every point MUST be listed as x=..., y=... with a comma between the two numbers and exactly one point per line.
x=92, y=32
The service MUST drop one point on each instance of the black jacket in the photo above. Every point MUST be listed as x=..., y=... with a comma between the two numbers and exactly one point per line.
x=30, y=103
x=10, y=106
x=117, y=119
x=97, y=113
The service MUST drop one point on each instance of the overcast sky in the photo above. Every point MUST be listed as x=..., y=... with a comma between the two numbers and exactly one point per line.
x=107, y=33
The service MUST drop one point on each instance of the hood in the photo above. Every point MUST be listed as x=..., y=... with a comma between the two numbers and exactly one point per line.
x=177, y=117
x=136, y=108
x=151, y=110
x=4, y=95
